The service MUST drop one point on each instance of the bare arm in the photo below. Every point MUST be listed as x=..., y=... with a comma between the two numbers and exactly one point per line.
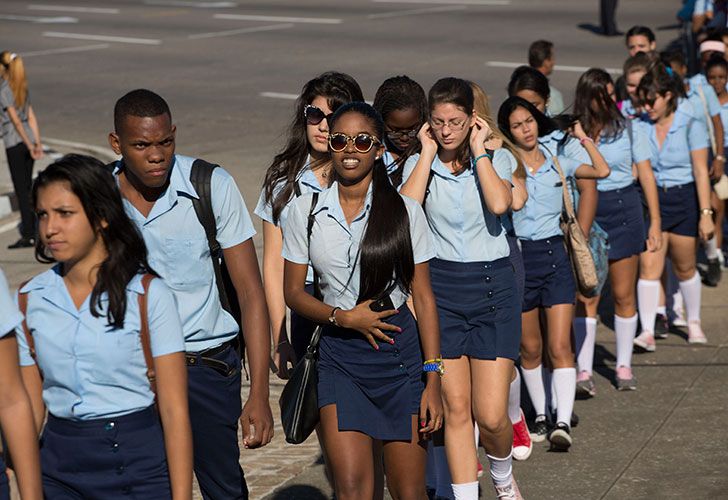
x=587, y=209
x=34, y=386
x=424, y=302
x=33, y=122
x=273, y=280
x=649, y=188
x=496, y=191
x=242, y=265
x=718, y=166
x=171, y=372
x=699, y=159
x=519, y=193
x=599, y=169
x=416, y=185
x=16, y=418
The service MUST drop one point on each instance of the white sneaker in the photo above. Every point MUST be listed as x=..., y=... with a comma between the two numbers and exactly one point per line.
x=695, y=333
x=679, y=318
x=508, y=492
x=646, y=341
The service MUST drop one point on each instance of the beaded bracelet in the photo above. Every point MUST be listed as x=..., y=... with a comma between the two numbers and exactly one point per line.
x=434, y=365
x=484, y=155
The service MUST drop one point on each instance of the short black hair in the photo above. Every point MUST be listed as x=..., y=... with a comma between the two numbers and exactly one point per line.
x=639, y=31
x=670, y=57
x=528, y=78
x=538, y=52
x=716, y=60
x=141, y=103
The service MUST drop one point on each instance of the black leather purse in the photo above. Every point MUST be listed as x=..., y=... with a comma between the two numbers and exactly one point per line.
x=299, y=399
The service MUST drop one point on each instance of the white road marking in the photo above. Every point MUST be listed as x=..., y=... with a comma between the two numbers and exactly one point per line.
x=279, y=95
x=240, y=31
x=280, y=19
x=196, y=5
x=103, y=38
x=82, y=48
x=558, y=67
x=9, y=225
x=449, y=2
x=40, y=20
x=69, y=8
x=414, y=12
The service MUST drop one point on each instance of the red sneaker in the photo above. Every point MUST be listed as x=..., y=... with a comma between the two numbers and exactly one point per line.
x=522, y=444
x=480, y=469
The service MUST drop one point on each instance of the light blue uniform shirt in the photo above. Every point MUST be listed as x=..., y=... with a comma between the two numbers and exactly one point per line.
x=672, y=163
x=539, y=218
x=620, y=153
x=569, y=149
x=179, y=252
x=90, y=370
x=307, y=183
x=702, y=6
x=463, y=228
x=724, y=119
x=335, y=244
x=10, y=317
x=704, y=107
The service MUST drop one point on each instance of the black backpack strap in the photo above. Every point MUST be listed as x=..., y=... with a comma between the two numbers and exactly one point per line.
x=427, y=188
x=201, y=178
x=296, y=189
x=111, y=166
x=309, y=230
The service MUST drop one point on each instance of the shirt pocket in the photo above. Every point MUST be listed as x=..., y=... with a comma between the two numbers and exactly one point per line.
x=188, y=263
x=118, y=358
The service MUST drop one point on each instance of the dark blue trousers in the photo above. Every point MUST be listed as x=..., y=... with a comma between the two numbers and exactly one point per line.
x=116, y=458
x=215, y=407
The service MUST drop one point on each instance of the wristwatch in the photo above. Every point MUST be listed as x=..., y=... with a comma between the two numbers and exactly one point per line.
x=706, y=211
x=332, y=316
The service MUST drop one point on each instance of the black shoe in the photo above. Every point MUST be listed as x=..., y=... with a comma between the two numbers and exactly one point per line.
x=540, y=429
x=560, y=437
x=661, y=326
x=574, y=418
x=713, y=274
x=24, y=242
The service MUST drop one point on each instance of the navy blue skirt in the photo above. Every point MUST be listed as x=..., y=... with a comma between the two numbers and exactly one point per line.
x=114, y=458
x=619, y=213
x=549, y=276
x=375, y=392
x=679, y=209
x=516, y=259
x=478, y=307
x=4, y=484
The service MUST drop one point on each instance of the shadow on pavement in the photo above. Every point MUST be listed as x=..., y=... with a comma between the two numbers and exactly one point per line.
x=299, y=492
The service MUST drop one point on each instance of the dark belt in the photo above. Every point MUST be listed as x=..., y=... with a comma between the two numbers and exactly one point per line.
x=206, y=357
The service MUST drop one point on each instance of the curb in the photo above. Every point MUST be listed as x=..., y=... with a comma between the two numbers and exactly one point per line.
x=56, y=148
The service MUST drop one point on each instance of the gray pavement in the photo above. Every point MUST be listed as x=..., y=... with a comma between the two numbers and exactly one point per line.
x=666, y=440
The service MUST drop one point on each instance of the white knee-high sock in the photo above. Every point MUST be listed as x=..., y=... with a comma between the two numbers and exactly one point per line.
x=648, y=295
x=691, y=294
x=465, y=491
x=514, y=399
x=711, y=248
x=585, y=331
x=534, y=384
x=565, y=385
x=476, y=433
x=625, y=330
x=501, y=469
x=678, y=304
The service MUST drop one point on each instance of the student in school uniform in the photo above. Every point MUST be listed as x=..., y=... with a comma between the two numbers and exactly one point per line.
x=370, y=249
x=464, y=196
x=303, y=166
x=16, y=414
x=678, y=153
x=636, y=39
x=634, y=68
x=82, y=347
x=549, y=279
x=21, y=136
x=505, y=151
x=158, y=194
x=623, y=144
x=541, y=57
x=403, y=105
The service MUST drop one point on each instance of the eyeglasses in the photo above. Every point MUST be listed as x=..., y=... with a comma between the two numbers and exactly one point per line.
x=454, y=125
x=394, y=135
x=363, y=143
x=314, y=115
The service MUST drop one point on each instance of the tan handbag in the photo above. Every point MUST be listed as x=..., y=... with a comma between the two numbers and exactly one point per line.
x=577, y=244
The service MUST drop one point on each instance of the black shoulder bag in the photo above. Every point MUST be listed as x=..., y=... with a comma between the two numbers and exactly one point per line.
x=299, y=399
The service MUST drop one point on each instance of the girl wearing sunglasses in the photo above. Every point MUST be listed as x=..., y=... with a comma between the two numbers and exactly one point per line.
x=549, y=285
x=303, y=166
x=402, y=103
x=678, y=153
x=464, y=194
x=370, y=248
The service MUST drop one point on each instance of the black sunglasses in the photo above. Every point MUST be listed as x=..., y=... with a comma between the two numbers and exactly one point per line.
x=363, y=143
x=314, y=115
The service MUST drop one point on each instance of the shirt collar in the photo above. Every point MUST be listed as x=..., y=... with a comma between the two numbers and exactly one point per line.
x=330, y=202
x=52, y=280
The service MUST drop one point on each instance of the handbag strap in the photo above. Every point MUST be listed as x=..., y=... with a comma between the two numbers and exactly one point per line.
x=568, y=205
